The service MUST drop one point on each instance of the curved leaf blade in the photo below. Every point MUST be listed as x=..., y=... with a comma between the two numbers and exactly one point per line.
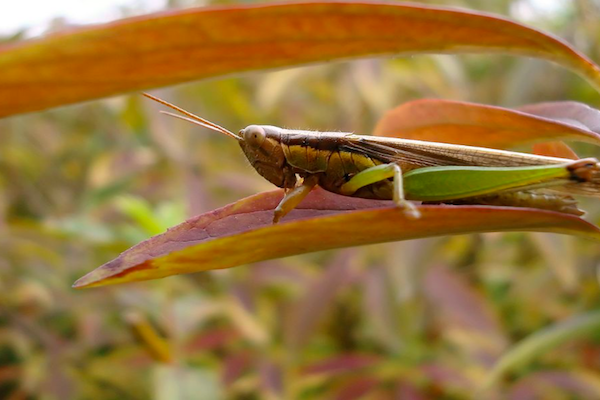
x=173, y=47
x=570, y=112
x=242, y=233
x=541, y=341
x=482, y=125
x=554, y=149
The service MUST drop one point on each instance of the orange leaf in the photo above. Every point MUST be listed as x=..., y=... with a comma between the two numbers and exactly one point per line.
x=554, y=149
x=180, y=46
x=242, y=233
x=482, y=125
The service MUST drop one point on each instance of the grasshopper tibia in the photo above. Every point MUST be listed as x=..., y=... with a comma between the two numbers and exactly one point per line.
x=379, y=173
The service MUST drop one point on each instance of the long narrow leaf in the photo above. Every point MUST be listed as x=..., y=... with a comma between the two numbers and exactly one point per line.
x=483, y=125
x=180, y=46
x=242, y=233
x=541, y=341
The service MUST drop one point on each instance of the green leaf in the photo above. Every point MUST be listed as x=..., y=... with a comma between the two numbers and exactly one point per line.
x=540, y=342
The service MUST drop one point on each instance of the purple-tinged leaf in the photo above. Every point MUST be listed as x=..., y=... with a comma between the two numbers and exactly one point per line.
x=242, y=233
x=483, y=125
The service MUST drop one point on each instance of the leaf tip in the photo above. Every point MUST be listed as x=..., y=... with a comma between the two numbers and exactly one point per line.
x=119, y=270
x=88, y=280
x=100, y=276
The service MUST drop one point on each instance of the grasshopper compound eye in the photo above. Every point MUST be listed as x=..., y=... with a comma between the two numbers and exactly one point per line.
x=254, y=135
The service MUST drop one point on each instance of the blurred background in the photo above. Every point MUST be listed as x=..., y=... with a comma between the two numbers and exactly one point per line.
x=423, y=319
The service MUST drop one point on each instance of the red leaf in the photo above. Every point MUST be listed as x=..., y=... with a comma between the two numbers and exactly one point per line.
x=355, y=388
x=463, y=304
x=318, y=299
x=242, y=233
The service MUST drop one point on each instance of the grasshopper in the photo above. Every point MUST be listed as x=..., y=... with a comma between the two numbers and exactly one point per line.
x=402, y=170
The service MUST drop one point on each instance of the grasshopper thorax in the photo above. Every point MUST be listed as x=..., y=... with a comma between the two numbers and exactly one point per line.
x=262, y=146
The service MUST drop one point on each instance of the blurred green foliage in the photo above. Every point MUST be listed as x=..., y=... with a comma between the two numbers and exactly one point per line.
x=424, y=319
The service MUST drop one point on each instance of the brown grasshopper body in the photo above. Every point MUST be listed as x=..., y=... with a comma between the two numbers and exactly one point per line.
x=283, y=156
x=299, y=160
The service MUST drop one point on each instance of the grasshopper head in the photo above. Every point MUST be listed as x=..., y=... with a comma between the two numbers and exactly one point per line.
x=262, y=147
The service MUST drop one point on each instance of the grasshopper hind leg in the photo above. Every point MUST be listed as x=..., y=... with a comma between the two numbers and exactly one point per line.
x=527, y=198
x=379, y=173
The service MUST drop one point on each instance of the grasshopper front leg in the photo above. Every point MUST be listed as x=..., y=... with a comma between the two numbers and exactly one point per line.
x=294, y=197
x=379, y=173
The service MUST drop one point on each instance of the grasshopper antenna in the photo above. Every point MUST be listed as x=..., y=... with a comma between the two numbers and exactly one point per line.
x=192, y=117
